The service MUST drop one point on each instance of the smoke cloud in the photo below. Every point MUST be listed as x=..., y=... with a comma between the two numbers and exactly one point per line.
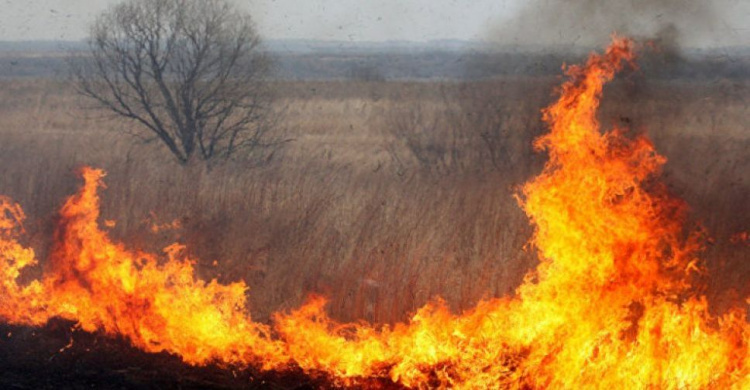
x=685, y=23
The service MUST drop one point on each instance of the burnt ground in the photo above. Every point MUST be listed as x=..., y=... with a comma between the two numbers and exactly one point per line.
x=57, y=357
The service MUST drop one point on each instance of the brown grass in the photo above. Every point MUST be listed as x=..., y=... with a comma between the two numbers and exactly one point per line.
x=351, y=209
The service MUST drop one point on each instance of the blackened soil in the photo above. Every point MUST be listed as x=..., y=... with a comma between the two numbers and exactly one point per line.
x=59, y=357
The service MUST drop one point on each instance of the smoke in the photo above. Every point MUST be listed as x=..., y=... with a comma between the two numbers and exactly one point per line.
x=589, y=23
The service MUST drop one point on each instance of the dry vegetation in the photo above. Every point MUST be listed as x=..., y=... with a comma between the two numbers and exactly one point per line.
x=390, y=193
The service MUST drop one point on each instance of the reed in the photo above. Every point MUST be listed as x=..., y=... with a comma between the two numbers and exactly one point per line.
x=350, y=209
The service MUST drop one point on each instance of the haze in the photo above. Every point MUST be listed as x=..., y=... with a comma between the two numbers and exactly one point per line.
x=580, y=22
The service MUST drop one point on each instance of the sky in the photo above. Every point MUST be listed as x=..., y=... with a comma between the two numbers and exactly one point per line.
x=505, y=21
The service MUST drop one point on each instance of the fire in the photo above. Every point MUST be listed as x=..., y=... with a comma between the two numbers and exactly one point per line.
x=158, y=306
x=612, y=303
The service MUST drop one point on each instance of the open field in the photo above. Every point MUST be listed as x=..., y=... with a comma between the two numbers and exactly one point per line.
x=391, y=193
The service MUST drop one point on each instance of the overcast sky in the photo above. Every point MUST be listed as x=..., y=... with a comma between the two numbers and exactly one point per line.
x=416, y=20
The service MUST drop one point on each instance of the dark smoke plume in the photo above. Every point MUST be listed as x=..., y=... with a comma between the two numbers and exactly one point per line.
x=589, y=23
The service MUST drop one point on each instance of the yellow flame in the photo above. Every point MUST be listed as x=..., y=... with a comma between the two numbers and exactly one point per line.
x=611, y=304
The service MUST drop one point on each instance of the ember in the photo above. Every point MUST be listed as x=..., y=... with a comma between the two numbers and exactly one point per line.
x=612, y=303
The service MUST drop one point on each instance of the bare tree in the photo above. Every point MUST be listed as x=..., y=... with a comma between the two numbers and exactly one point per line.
x=190, y=72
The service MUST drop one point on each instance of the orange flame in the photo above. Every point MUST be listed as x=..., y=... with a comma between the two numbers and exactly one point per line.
x=105, y=287
x=610, y=305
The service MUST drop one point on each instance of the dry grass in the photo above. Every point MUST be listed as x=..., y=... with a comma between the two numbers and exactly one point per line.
x=350, y=209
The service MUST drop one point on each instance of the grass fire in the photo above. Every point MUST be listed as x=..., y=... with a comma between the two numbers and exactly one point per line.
x=617, y=299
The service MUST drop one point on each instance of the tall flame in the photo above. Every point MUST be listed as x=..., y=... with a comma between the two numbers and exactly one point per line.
x=610, y=305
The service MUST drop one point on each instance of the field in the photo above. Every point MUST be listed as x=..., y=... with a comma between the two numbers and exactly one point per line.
x=388, y=194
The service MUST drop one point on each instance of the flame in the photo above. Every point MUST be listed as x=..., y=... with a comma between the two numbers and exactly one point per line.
x=105, y=287
x=611, y=304
x=156, y=227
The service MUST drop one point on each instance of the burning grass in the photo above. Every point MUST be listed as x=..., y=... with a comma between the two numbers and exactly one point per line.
x=613, y=302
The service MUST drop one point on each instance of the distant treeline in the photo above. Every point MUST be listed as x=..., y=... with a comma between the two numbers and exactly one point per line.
x=371, y=62
x=479, y=65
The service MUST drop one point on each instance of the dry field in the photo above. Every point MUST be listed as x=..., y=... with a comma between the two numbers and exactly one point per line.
x=390, y=193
